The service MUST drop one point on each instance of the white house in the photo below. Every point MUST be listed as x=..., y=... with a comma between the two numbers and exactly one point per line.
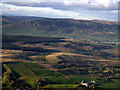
x=86, y=84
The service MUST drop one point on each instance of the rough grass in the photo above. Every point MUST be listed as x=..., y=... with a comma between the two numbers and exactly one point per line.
x=22, y=69
x=54, y=56
x=61, y=86
x=32, y=81
x=26, y=69
x=108, y=85
x=68, y=80
x=81, y=78
x=33, y=66
x=47, y=72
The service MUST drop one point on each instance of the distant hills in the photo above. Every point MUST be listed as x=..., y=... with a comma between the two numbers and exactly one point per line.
x=11, y=19
x=94, y=30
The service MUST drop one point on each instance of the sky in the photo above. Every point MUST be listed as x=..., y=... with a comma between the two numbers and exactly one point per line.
x=75, y=9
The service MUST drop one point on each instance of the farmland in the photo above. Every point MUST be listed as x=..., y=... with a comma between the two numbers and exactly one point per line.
x=58, y=63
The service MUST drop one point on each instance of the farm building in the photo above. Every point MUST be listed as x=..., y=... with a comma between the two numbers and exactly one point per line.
x=87, y=84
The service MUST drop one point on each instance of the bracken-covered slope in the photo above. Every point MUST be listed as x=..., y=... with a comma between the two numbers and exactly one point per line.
x=67, y=28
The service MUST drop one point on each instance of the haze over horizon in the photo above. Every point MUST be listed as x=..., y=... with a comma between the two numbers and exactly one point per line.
x=74, y=9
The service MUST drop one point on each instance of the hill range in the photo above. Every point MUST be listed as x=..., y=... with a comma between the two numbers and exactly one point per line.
x=93, y=30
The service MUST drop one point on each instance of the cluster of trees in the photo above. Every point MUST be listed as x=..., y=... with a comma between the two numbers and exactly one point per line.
x=10, y=78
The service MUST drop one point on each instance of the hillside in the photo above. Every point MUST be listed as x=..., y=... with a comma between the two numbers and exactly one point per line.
x=94, y=30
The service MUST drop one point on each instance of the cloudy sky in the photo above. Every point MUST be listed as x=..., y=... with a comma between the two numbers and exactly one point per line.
x=76, y=9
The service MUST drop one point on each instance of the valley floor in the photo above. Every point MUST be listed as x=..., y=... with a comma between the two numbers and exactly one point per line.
x=58, y=63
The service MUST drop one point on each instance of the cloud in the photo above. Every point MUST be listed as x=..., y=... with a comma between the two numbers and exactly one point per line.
x=94, y=4
x=42, y=12
x=70, y=4
x=76, y=9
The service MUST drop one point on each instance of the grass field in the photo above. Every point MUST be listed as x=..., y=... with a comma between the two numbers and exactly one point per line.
x=62, y=86
x=109, y=85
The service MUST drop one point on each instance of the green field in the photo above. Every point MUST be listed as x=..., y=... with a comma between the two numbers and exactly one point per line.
x=109, y=85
